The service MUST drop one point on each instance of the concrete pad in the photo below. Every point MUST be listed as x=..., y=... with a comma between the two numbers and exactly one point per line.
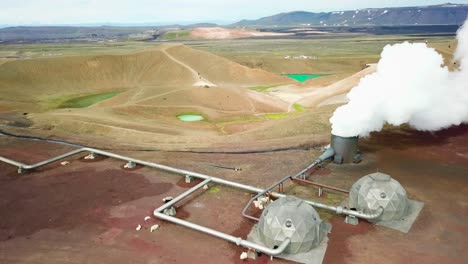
x=315, y=256
x=404, y=225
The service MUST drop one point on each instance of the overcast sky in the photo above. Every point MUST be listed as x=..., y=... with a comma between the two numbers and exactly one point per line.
x=42, y=12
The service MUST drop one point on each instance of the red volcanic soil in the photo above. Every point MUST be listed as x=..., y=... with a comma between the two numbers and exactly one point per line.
x=58, y=206
x=339, y=238
x=433, y=168
x=87, y=212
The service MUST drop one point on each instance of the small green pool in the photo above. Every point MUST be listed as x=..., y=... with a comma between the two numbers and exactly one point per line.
x=304, y=77
x=190, y=118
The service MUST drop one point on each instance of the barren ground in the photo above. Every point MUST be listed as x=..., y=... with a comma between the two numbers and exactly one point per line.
x=226, y=33
x=88, y=211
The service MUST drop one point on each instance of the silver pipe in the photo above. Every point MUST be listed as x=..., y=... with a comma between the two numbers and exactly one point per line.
x=42, y=163
x=237, y=240
x=337, y=209
x=182, y=196
x=11, y=162
x=252, y=189
x=325, y=155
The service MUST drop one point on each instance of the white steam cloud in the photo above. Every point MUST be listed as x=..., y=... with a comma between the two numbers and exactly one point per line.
x=412, y=86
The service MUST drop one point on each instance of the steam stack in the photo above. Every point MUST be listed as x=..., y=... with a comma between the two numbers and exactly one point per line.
x=346, y=149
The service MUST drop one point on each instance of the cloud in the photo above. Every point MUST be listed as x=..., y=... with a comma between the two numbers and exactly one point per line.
x=134, y=11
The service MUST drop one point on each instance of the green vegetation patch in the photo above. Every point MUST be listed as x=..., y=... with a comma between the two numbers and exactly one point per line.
x=297, y=107
x=214, y=189
x=177, y=34
x=87, y=100
x=238, y=119
x=304, y=77
x=310, y=193
x=277, y=116
x=263, y=88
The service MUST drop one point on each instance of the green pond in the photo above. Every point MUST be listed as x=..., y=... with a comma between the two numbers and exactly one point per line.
x=304, y=77
x=190, y=118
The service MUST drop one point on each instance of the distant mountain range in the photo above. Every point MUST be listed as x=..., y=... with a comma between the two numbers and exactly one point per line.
x=370, y=20
x=88, y=33
x=446, y=14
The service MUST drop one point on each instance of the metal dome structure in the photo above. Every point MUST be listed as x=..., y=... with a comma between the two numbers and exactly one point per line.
x=379, y=190
x=290, y=217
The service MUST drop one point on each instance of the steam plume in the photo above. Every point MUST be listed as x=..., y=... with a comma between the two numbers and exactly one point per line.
x=412, y=86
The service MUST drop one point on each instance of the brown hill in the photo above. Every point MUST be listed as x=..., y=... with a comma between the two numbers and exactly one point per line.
x=43, y=79
x=222, y=71
x=158, y=84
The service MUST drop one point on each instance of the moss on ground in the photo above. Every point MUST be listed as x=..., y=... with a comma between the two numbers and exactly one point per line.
x=297, y=107
x=310, y=193
x=214, y=189
x=179, y=34
x=87, y=100
x=277, y=116
x=263, y=88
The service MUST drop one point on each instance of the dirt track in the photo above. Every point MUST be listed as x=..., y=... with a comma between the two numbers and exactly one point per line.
x=145, y=117
x=158, y=84
x=41, y=80
x=161, y=86
x=199, y=80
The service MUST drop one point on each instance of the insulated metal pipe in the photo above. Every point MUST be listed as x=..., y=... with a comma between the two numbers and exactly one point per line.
x=325, y=155
x=183, y=195
x=42, y=163
x=239, y=241
x=337, y=209
x=248, y=188
x=323, y=186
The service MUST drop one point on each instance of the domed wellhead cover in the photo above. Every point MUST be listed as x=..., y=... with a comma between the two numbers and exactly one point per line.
x=379, y=190
x=291, y=217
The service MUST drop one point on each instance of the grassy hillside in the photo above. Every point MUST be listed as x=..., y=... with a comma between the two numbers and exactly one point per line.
x=177, y=35
x=51, y=77
x=78, y=81
x=220, y=70
x=88, y=100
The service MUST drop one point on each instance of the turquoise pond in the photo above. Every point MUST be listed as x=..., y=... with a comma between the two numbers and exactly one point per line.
x=304, y=77
x=190, y=118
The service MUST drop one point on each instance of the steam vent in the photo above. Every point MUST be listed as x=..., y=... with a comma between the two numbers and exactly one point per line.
x=346, y=149
x=379, y=190
x=291, y=217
